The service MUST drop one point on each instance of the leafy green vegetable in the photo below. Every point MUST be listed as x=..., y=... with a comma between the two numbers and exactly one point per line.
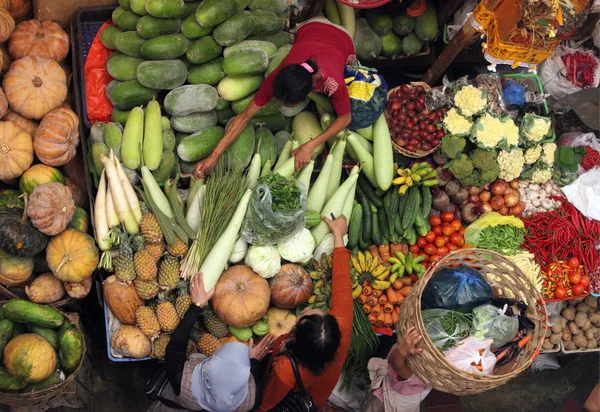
x=446, y=328
x=504, y=239
x=568, y=158
x=285, y=193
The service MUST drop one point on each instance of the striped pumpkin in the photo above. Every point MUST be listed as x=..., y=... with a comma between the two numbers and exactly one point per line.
x=57, y=138
x=37, y=175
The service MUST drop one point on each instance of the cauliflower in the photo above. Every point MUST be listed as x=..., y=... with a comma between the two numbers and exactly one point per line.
x=461, y=167
x=488, y=131
x=535, y=128
x=470, y=100
x=510, y=131
x=532, y=154
x=511, y=164
x=457, y=124
x=452, y=146
x=548, y=153
x=541, y=175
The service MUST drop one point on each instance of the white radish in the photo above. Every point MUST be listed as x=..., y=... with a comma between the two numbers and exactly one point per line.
x=194, y=212
x=132, y=198
x=119, y=198
x=111, y=216
x=100, y=223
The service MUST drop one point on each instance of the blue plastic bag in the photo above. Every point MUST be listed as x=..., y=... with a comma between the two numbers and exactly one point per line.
x=368, y=95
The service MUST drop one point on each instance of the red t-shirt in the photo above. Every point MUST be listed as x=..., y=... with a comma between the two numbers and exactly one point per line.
x=332, y=49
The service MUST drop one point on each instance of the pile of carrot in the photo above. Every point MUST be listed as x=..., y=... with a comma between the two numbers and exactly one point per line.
x=383, y=307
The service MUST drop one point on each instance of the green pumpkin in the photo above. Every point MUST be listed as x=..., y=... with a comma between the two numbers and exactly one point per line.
x=37, y=175
x=80, y=221
x=10, y=198
x=18, y=236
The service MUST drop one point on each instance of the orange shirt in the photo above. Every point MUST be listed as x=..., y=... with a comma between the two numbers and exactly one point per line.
x=280, y=379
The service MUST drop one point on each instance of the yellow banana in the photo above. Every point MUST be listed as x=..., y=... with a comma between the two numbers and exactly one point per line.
x=384, y=275
x=403, y=189
x=376, y=263
x=380, y=284
x=409, y=181
x=361, y=261
x=356, y=264
x=378, y=271
x=356, y=292
x=368, y=262
x=399, y=180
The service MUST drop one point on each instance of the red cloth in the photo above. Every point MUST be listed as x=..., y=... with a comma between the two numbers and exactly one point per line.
x=280, y=379
x=331, y=48
x=96, y=78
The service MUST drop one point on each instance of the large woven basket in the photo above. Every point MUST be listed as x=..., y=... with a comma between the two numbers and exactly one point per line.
x=37, y=398
x=18, y=292
x=507, y=281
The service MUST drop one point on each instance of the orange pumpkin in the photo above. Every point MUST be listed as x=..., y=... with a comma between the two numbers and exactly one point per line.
x=6, y=59
x=290, y=287
x=72, y=255
x=29, y=126
x=42, y=39
x=241, y=297
x=20, y=9
x=7, y=25
x=16, y=151
x=3, y=104
x=51, y=208
x=5, y=4
x=57, y=138
x=35, y=86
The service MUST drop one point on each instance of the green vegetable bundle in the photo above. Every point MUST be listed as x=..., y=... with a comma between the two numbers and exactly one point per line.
x=446, y=328
x=504, y=234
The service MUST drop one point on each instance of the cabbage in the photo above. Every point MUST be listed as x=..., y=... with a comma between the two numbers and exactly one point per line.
x=326, y=246
x=298, y=248
x=239, y=251
x=264, y=260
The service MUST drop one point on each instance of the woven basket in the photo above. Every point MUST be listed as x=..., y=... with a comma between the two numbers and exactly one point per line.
x=44, y=396
x=18, y=292
x=399, y=149
x=507, y=281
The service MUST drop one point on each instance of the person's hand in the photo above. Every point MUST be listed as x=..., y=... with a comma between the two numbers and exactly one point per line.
x=302, y=156
x=408, y=344
x=262, y=348
x=205, y=166
x=197, y=293
x=338, y=227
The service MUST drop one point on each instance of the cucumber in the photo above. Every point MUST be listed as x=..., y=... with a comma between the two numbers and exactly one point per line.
x=57, y=377
x=426, y=202
x=108, y=35
x=402, y=204
x=113, y=138
x=214, y=12
x=208, y=73
x=130, y=94
x=368, y=191
x=236, y=88
x=127, y=20
x=179, y=137
x=162, y=74
x=266, y=22
x=278, y=39
x=8, y=382
x=277, y=58
x=71, y=348
x=110, y=86
x=99, y=149
x=132, y=139
x=355, y=226
x=376, y=233
x=200, y=144
x=384, y=224
x=167, y=163
x=123, y=67
x=222, y=104
x=203, y=50
x=274, y=122
x=165, y=8
x=117, y=13
x=22, y=311
x=46, y=333
x=150, y=26
x=152, y=146
x=165, y=47
x=124, y=4
x=194, y=122
x=246, y=62
x=130, y=43
x=189, y=9
x=6, y=330
x=224, y=115
x=138, y=7
x=168, y=137
x=192, y=30
x=189, y=99
x=234, y=29
x=367, y=218
x=413, y=202
x=265, y=46
x=119, y=116
x=276, y=6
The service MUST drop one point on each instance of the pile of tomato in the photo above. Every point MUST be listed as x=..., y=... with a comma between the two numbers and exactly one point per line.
x=565, y=279
x=446, y=235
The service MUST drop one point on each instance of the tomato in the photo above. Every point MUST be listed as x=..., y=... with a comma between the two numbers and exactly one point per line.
x=435, y=220
x=430, y=249
x=414, y=278
x=462, y=231
x=465, y=246
x=462, y=242
x=434, y=258
x=456, y=225
x=452, y=247
x=437, y=230
x=425, y=265
x=430, y=236
x=447, y=217
x=585, y=281
x=578, y=290
x=414, y=249
x=573, y=263
x=446, y=239
x=455, y=238
x=442, y=251
x=447, y=229
x=439, y=241
x=421, y=241
x=560, y=292
x=574, y=278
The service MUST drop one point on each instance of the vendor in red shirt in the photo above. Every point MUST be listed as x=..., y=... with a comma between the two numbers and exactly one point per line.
x=316, y=63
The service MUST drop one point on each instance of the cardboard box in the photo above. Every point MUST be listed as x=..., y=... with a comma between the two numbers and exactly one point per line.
x=63, y=11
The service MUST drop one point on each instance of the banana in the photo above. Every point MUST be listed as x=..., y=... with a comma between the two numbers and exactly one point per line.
x=416, y=178
x=396, y=267
x=401, y=271
x=393, y=261
x=393, y=277
x=409, y=181
x=312, y=299
x=418, y=259
x=401, y=257
x=356, y=292
x=356, y=264
x=380, y=284
x=319, y=283
x=368, y=262
x=403, y=189
x=384, y=275
x=361, y=261
x=399, y=180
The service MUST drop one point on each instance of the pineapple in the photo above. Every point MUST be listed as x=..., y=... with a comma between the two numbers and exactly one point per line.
x=213, y=324
x=208, y=344
x=147, y=289
x=168, y=273
x=145, y=265
x=150, y=229
x=124, y=266
x=179, y=248
x=147, y=321
x=138, y=242
x=156, y=249
x=159, y=346
x=183, y=301
x=167, y=315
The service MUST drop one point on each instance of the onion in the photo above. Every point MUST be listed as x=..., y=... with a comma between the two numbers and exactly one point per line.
x=503, y=211
x=514, y=184
x=498, y=188
x=485, y=196
x=474, y=190
x=517, y=209
x=511, y=199
x=474, y=199
x=497, y=202
x=486, y=207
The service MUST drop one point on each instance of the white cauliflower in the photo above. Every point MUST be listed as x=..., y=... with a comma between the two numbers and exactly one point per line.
x=470, y=100
x=488, y=131
x=457, y=124
x=510, y=131
x=532, y=154
x=535, y=128
x=511, y=164
x=541, y=175
x=548, y=153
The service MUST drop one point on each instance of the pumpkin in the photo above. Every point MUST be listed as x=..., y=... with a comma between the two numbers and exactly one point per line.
x=80, y=221
x=78, y=290
x=241, y=297
x=45, y=289
x=29, y=358
x=42, y=39
x=72, y=255
x=34, y=86
x=5, y=58
x=122, y=299
x=7, y=25
x=29, y=126
x=57, y=137
x=51, y=208
x=79, y=196
x=290, y=287
x=3, y=103
x=20, y=9
x=16, y=151
x=14, y=270
x=37, y=175
x=5, y=4
x=18, y=236
x=129, y=341
x=280, y=321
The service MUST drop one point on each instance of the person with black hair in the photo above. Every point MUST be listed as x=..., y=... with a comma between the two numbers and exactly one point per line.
x=319, y=342
x=316, y=63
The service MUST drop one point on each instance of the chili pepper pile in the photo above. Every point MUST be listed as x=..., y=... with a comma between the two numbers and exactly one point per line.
x=591, y=159
x=561, y=280
x=581, y=68
x=561, y=233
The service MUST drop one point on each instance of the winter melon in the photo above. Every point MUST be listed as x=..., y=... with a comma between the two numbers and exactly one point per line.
x=194, y=122
x=426, y=25
x=200, y=144
x=234, y=29
x=203, y=50
x=411, y=44
x=366, y=41
x=162, y=74
x=391, y=44
x=190, y=98
x=278, y=39
x=246, y=62
x=241, y=150
x=306, y=127
x=208, y=73
x=403, y=24
x=211, y=13
x=122, y=67
x=192, y=30
x=266, y=22
x=266, y=46
x=277, y=58
x=108, y=36
x=236, y=88
x=276, y=6
x=380, y=22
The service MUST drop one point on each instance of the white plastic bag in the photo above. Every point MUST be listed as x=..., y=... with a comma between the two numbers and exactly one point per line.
x=584, y=193
x=467, y=355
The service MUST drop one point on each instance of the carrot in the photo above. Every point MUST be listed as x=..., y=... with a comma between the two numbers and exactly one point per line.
x=376, y=310
x=367, y=290
x=382, y=299
x=397, y=284
x=380, y=320
x=384, y=252
x=406, y=281
x=366, y=309
x=524, y=341
x=395, y=247
x=374, y=252
x=394, y=317
x=388, y=308
x=397, y=310
x=362, y=298
x=405, y=290
x=372, y=300
x=387, y=320
x=392, y=296
x=367, y=283
x=400, y=299
x=376, y=293
x=372, y=319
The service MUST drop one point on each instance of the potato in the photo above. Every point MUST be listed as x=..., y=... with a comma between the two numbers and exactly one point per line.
x=547, y=345
x=556, y=328
x=563, y=322
x=581, y=317
x=591, y=344
x=549, y=331
x=555, y=338
x=570, y=345
x=586, y=325
x=594, y=318
x=573, y=328
x=591, y=301
x=582, y=307
x=589, y=334
x=566, y=335
x=568, y=313
x=580, y=341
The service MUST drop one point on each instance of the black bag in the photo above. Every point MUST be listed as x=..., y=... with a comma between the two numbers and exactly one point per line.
x=155, y=386
x=295, y=401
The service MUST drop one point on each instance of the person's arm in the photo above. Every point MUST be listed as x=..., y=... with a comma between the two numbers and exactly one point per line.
x=275, y=388
x=407, y=346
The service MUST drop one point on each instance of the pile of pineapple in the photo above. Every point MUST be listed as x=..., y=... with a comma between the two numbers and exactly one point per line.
x=153, y=268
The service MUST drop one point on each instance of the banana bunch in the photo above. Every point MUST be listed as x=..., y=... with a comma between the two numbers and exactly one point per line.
x=321, y=276
x=366, y=267
x=408, y=264
x=419, y=174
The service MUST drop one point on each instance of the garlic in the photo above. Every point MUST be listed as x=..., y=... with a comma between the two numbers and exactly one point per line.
x=543, y=193
x=533, y=195
x=535, y=203
x=547, y=204
x=534, y=187
x=548, y=187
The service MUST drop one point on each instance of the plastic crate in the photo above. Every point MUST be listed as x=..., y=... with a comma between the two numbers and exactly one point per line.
x=110, y=356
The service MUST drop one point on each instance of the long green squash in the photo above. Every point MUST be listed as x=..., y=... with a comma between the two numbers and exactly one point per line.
x=338, y=151
x=305, y=175
x=383, y=152
x=254, y=171
x=132, y=138
x=349, y=203
x=316, y=195
x=153, y=141
x=364, y=158
x=347, y=18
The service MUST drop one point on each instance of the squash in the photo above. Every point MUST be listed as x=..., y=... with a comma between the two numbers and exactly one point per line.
x=5, y=4
x=7, y=25
x=30, y=126
x=291, y=287
x=20, y=9
x=51, y=208
x=34, y=86
x=122, y=299
x=18, y=236
x=37, y=175
x=78, y=290
x=5, y=58
x=14, y=270
x=16, y=151
x=45, y=289
x=81, y=220
x=41, y=39
x=280, y=321
x=3, y=104
x=79, y=196
x=129, y=341
x=72, y=255
x=241, y=297
x=57, y=138
x=29, y=358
